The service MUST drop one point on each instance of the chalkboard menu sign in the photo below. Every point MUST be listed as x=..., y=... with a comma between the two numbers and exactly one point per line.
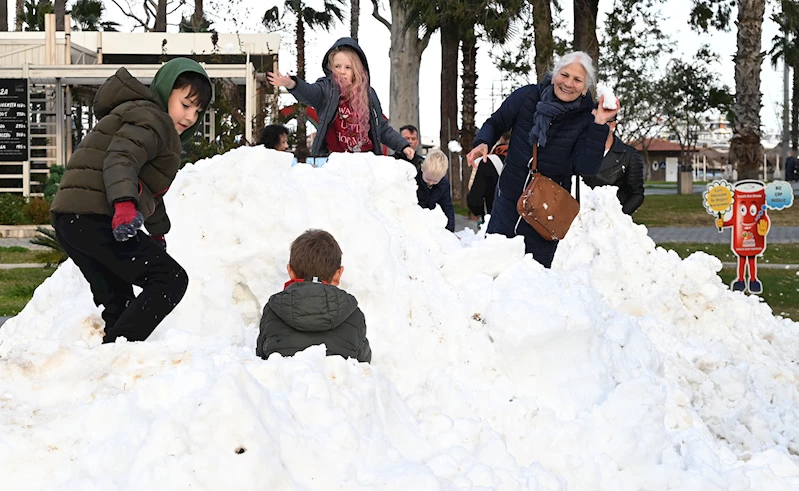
x=13, y=119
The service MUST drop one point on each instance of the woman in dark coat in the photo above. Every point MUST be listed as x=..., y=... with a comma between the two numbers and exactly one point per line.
x=559, y=116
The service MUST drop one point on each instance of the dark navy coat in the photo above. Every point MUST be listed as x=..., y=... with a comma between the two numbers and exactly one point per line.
x=439, y=194
x=575, y=145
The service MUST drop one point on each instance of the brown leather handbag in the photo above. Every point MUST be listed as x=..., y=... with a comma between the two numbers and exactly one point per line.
x=546, y=205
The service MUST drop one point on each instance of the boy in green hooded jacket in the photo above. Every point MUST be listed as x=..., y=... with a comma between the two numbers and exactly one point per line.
x=115, y=182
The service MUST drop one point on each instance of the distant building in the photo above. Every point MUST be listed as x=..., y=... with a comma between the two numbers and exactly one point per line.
x=661, y=158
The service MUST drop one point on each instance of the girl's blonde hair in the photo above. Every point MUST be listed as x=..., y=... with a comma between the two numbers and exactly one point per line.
x=436, y=164
x=355, y=93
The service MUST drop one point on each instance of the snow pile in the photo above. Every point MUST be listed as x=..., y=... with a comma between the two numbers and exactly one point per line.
x=622, y=368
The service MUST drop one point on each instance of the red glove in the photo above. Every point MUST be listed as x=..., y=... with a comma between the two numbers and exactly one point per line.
x=160, y=240
x=127, y=220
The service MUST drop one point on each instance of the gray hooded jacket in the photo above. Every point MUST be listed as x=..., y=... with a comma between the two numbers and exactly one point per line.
x=310, y=313
x=324, y=96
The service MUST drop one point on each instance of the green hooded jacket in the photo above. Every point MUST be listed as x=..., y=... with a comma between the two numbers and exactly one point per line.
x=132, y=153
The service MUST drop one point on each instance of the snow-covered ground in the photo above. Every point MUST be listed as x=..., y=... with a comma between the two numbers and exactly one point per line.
x=622, y=368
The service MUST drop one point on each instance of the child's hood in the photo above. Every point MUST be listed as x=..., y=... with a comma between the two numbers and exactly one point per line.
x=120, y=88
x=314, y=307
x=164, y=80
x=350, y=43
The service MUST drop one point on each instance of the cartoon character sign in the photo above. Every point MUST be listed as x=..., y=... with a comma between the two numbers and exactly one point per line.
x=743, y=207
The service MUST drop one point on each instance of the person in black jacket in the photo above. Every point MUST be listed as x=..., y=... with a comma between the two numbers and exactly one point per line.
x=556, y=115
x=311, y=309
x=433, y=186
x=621, y=167
x=480, y=198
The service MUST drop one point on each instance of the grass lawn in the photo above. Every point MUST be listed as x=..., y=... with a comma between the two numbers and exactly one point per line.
x=775, y=253
x=18, y=255
x=686, y=210
x=780, y=289
x=17, y=285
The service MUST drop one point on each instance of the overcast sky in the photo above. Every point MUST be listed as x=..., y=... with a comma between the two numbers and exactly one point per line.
x=245, y=16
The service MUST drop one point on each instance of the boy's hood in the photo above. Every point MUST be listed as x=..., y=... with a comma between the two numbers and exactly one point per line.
x=313, y=307
x=350, y=43
x=164, y=80
x=121, y=87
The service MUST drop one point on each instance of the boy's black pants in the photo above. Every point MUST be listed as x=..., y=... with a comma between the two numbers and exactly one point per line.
x=112, y=268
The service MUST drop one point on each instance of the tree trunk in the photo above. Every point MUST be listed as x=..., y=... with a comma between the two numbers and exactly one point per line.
x=449, y=104
x=469, y=84
x=197, y=18
x=302, y=144
x=585, y=13
x=405, y=54
x=60, y=10
x=3, y=16
x=795, y=110
x=160, y=16
x=544, y=44
x=355, y=14
x=746, y=152
x=20, y=13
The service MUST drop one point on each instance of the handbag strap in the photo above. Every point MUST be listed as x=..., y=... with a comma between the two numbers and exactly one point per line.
x=533, y=163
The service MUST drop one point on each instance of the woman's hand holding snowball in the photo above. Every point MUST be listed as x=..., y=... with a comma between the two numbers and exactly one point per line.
x=477, y=155
x=602, y=114
x=279, y=80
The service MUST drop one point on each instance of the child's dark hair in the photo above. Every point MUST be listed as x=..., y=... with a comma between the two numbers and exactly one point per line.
x=200, y=87
x=270, y=135
x=315, y=253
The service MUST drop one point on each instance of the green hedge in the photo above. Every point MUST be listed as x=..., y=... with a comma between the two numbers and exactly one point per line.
x=17, y=210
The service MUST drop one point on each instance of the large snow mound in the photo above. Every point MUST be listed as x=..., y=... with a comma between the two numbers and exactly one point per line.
x=622, y=368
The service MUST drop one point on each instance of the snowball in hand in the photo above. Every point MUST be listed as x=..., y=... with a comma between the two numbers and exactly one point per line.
x=610, y=98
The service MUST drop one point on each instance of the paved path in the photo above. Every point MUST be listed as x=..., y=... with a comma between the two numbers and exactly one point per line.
x=6, y=242
x=710, y=235
x=697, y=189
x=25, y=265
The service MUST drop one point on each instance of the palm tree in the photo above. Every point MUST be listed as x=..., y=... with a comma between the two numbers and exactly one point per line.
x=786, y=47
x=33, y=16
x=355, y=13
x=496, y=25
x=457, y=20
x=544, y=41
x=3, y=16
x=405, y=54
x=87, y=16
x=585, y=13
x=60, y=13
x=314, y=19
x=20, y=14
x=198, y=17
x=746, y=152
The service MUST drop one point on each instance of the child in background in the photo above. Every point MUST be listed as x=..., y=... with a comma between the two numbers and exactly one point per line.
x=114, y=183
x=311, y=309
x=350, y=116
x=433, y=185
x=274, y=136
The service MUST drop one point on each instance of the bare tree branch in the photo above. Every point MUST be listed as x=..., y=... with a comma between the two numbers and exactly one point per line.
x=181, y=3
x=129, y=13
x=380, y=18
